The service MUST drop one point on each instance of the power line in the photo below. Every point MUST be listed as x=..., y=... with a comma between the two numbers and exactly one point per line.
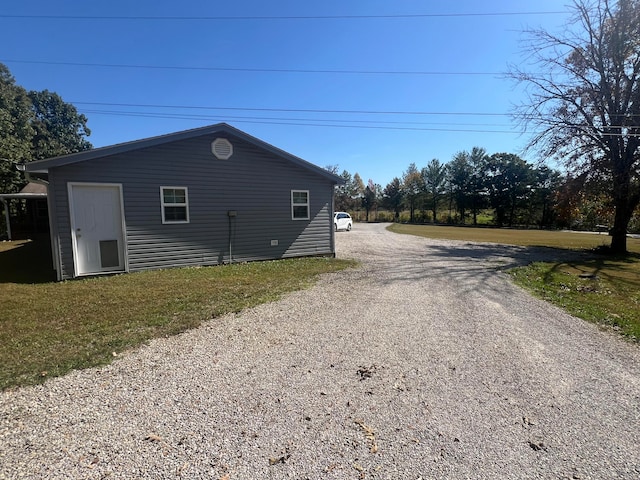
x=234, y=117
x=318, y=121
x=305, y=124
x=279, y=17
x=248, y=69
x=361, y=124
x=299, y=110
x=309, y=110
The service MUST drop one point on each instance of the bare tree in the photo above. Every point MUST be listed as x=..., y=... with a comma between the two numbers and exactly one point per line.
x=584, y=99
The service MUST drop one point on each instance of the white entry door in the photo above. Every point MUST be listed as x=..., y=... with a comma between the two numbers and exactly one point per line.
x=96, y=228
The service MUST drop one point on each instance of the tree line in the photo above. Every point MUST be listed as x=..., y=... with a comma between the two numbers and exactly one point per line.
x=474, y=188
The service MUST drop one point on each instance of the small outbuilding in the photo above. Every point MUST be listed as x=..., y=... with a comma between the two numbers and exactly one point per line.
x=29, y=209
x=205, y=196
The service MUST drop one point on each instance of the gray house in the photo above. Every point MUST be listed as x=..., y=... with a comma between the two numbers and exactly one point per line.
x=206, y=196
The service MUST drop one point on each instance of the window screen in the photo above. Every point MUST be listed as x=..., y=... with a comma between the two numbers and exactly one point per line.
x=175, y=204
x=300, y=204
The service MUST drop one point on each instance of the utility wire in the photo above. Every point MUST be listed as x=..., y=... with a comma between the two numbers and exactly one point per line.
x=305, y=124
x=299, y=110
x=279, y=17
x=246, y=69
x=362, y=124
x=293, y=119
x=303, y=110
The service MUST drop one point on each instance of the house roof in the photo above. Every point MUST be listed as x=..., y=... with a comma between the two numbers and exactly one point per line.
x=33, y=187
x=31, y=190
x=43, y=166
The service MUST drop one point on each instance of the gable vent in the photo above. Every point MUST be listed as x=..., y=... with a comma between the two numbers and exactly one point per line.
x=222, y=148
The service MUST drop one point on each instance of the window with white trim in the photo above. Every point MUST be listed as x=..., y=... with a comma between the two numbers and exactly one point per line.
x=175, y=204
x=300, y=204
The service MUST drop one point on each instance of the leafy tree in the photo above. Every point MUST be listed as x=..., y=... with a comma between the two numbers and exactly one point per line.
x=584, y=100
x=568, y=198
x=356, y=192
x=477, y=190
x=357, y=187
x=16, y=131
x=434, y=177
x=349, y=196
x=59, y=128
x=369, y=198
x=509, y=182
x=545, y=189
x=460, y=171
x=343, y=200
x=392, y=197
x=412, y=188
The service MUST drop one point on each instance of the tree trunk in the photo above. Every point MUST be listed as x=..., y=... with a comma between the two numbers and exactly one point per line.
x=619, y=233
x=625, y=200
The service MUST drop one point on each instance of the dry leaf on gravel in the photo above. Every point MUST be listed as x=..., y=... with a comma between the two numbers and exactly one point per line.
x=370, y=434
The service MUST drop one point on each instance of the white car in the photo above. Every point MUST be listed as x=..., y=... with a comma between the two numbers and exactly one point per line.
x=342, y=221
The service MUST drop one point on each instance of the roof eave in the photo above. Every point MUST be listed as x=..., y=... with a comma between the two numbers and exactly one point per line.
x=43, y=166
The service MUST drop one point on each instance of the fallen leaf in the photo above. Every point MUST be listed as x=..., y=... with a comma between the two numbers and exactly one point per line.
x=274, y=461
x=537, y=446
x=370, y=434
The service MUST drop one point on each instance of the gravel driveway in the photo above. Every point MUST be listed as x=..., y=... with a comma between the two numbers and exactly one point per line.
x=423, y=363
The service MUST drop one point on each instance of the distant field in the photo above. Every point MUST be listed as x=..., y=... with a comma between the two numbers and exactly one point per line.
x=538, y=238
x=600, y=289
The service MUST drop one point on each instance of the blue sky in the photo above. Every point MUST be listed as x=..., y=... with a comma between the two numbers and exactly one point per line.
x=435, y=120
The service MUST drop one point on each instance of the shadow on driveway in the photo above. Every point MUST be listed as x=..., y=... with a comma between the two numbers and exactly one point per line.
x=471, y=266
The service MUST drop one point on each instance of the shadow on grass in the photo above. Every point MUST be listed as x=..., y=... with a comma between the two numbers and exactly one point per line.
x=624, y=269
x=28, y=262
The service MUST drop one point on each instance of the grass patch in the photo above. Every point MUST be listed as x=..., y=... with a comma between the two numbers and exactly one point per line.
x=601, y=289
x=48, y=329
x=508, y=236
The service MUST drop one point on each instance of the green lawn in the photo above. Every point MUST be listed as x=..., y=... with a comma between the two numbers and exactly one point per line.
x=540, y=238
x=49, y=328
x=601, y=289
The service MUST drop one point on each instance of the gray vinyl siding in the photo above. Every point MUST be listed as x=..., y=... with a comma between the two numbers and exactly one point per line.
x=254, y=183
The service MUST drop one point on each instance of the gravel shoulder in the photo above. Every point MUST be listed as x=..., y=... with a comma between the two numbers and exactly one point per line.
x=424, y=362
